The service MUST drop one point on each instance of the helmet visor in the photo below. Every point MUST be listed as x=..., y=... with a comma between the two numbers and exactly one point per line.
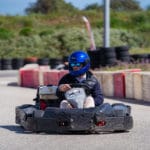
x=75, y=64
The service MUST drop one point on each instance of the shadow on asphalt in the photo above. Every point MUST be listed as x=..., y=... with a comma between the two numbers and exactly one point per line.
x=132, y=101
x=20, y=130
x=12, y=84
x=15, y=84
x=15, y=128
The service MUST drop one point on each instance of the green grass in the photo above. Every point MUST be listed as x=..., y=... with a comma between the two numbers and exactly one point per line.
x=124, y=66
x=56, y=34
x=140, y=51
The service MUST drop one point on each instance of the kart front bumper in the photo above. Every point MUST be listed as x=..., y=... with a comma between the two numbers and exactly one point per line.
x=70, y=120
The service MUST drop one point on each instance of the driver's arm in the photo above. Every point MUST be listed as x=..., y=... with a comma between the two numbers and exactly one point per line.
x=64, y=87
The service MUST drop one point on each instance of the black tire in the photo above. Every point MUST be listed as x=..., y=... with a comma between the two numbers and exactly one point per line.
x=109, y=52
x=121, y=48
x=43, y=61
x=6, y=64
x=17, y=63
x=109, y=55
x=134, y=57
x=122, y=53
x=111, y=62
x=143, y=58
x=149, y=58
x=0, y=64
x=121, y=109
x=94, y=58
x=125, y=59
x=54, y=62
x=140, y=57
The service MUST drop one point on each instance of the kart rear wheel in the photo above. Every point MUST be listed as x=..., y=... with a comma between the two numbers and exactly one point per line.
x=121, y=109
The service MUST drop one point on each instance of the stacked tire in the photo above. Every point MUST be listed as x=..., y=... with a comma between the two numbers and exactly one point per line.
x=109, y=56
x=6, y=63
x=102, y=57
x=140, y=58
x=54, y=62
x=17, y=63
x=95, y=58
x=122, y=53
x=0, y=64
x=43, y=61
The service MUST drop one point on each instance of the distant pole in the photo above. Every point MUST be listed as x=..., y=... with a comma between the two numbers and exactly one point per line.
x=106, y=42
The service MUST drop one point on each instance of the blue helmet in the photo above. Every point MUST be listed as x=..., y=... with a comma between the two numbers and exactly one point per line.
x=77, y=58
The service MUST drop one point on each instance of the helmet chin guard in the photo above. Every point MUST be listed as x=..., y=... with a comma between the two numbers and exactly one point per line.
x=79, y=57
x=80, y=72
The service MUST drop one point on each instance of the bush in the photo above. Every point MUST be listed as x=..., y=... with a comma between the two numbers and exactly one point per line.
x=5, y=34
x=27, y=31
x=46, y=32
x=62, y=42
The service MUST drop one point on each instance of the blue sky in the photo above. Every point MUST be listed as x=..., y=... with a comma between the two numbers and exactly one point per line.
x=17, y=7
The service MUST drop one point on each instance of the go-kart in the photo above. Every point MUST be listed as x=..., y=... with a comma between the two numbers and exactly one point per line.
x=46, y=116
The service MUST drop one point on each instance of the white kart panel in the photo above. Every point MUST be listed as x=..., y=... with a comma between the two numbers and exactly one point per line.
x=48, y=92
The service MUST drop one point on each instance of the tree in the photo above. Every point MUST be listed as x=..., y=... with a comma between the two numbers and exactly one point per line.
x=47, y=6
x=125, y=5
x=93, y=6
x=148, y=8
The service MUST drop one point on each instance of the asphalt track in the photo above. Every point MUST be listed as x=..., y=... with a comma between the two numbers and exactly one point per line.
x=13, y=136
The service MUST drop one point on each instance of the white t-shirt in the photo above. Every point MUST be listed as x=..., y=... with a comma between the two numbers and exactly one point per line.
x=81, y=78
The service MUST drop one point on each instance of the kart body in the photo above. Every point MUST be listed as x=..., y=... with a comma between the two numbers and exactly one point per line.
x=46, y=116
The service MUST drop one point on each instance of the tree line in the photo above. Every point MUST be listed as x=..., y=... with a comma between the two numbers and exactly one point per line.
x=48, y=6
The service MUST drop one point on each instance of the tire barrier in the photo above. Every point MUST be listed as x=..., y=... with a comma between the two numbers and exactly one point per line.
x=31, y=75
x=115, y=84
x=95, y=58
x=119, y=85
x=17, y=63
x=62, y=73
x=137, y=84
x=146, y=85
x=6, y=64
x=110, y=58
x=55, y=62
x=122, y=53
x=51, y=77
x=43, y=61
x=29, y=78
x=130, y=83
x=106, y=80
x=102, y=57
x=141, y=86
x=140, y=58
x=0, y=64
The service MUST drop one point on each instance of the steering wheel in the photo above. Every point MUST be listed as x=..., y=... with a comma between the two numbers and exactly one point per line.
x=81, y=85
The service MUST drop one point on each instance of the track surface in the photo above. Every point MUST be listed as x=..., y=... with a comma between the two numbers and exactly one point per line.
x=13, y=136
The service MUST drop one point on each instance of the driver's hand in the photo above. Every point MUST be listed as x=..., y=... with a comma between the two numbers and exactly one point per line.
x=64, y=87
